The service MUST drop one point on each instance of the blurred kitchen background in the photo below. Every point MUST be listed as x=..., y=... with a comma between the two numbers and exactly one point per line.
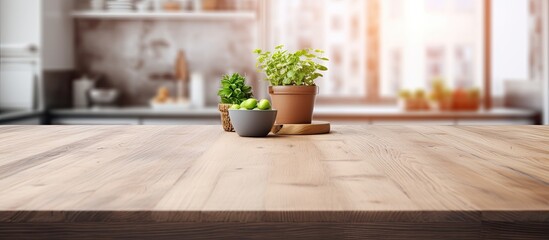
x=155, y=62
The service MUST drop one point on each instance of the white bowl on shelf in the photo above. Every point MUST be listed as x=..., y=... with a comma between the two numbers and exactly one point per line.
x=103, y=97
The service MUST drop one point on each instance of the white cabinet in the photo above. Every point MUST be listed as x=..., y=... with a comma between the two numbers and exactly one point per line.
x=38, y=35
x=46, y=25
x=17, y=86
x=20, y=22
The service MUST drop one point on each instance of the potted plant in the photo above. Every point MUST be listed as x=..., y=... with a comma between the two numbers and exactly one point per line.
x=233, y=91
x=292, y=78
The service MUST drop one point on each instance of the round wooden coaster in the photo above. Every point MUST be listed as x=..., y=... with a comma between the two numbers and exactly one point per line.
x=301, y=129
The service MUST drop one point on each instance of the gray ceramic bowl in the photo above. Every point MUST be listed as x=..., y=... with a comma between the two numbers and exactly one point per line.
x=253, y=123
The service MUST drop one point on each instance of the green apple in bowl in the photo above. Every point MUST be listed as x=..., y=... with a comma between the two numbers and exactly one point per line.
x=253, y=104
x=249, y=104
x=235, y=107
x=264, y=104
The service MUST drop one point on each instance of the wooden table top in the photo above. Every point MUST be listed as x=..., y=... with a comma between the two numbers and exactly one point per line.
x=201, y=174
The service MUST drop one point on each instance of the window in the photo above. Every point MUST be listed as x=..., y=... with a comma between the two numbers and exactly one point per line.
x=464, y=67
x=436, y=6
x=536, y=40
x=435, y=61
x=509, y=43
x=424, y=45
x=333, y=25
x=394, y=80
x=412, y=43
x=465, y=6
x=396, y=9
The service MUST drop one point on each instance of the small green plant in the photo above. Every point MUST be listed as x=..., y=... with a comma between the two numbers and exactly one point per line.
x=234, y=89
x=300, y=68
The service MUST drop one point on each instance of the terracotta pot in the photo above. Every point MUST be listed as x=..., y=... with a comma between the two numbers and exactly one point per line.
x=225, y=119
x=295, y=104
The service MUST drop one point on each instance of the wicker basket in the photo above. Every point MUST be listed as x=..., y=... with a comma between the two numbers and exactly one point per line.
x=225, y=119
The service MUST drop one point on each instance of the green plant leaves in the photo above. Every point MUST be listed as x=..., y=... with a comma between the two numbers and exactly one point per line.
x=234, y=89
x=290, y=74
x=286, y=68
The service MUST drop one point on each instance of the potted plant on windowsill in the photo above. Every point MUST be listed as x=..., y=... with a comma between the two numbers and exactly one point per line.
x=292, y=78
x=233, y=91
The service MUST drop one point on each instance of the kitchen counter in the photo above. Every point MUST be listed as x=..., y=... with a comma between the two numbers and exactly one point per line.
x=19, y=115
x=333, y=113
x=397, y=113
x=134, y=112
x=393, y=182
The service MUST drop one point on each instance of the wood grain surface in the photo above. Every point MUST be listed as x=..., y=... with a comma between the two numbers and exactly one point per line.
x=356, y=182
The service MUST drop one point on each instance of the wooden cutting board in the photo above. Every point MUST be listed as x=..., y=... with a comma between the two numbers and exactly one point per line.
x=302, y=129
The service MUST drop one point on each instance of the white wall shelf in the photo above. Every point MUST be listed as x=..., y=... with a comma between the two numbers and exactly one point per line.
x=212, y=15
